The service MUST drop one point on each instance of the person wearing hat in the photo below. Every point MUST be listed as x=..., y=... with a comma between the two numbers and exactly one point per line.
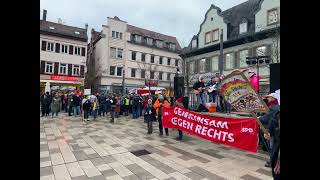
x=254, y=80
x=149, y=115
x=159, y=103
x=198, y=87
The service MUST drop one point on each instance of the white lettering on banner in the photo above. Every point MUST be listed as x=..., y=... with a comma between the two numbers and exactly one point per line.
x=230, y=136
x=250, y=130
x=216, y=134
x=219, y=124
x=182, y=123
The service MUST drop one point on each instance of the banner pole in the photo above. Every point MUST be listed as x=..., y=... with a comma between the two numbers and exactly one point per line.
x=264, y=130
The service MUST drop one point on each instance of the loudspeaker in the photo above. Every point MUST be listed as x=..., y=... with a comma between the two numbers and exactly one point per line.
x=274, y=77
x=178, y=87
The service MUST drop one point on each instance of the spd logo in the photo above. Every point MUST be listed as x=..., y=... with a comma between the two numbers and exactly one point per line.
x=247, y=130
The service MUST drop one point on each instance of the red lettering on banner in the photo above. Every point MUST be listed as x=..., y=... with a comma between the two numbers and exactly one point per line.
x=236, y=132
x=64, y=78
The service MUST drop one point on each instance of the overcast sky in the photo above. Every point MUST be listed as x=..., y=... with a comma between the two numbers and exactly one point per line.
x=179, y=18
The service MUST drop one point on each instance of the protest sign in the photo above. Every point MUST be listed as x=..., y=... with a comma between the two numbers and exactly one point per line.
x=237, y=90
x=240, y=132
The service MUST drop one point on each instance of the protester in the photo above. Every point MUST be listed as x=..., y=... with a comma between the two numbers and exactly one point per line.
x=117, y=108
x=179, y=102
x=45, y=104
x=274, y=136
x=102, y=104
x=112, y=101
x=94, y=105
x=62, y=101
x=159, y=103
x=55, y=105
x=65, y=100
x=140, y=106
x=86, y=105
x=149, y=115
x=126, y=105
x=70, y=103
x=76, y=105
x=130, y=103
x=135, y=106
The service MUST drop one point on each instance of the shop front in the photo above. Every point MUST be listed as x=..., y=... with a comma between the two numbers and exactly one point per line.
x=63, y=84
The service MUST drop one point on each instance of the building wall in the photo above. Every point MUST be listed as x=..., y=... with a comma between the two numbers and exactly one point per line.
x=261, y=16
x=209, y=25
x=61, y=57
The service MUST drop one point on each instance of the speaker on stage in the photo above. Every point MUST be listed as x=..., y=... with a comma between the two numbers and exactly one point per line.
x=274, y=77
x=178, y=86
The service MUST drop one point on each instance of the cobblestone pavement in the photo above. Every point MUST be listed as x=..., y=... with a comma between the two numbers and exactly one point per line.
x=71, y=149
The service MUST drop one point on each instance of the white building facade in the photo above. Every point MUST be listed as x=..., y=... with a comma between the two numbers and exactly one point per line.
x=63, y=53
x=139, y=56
x=249, y=29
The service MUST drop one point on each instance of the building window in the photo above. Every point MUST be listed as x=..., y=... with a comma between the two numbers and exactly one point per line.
x=133, y=55
x=112, y=70
x=143, y=57
x=243, y=55
x=149, y=41
x=261, y=51
x=172, y=47
x=77, y=50
x=119, y=71
x=191, y=67
x=176, y=62
x=202, y=65
x=50, y=46
x=273, y=16
x=151, y=75
x=143, y=73
x=113, y=52
x=168, y=77
x=215, y=35
x=120, y=51
x=152, y=59
x=75, y=70
x=137, y=38
x=243, y=27
x=133, y=72
x=63, y=69
x=207, y=37
x=194, y=43
x=159, y=43
x=64, y=48
x=160, y=75
x=117, y=35
x=229, y=61
x=168, y=62
x=113, y=34
x=215, y=63
x=160, y=59
x=49, y=68
x=120, y=35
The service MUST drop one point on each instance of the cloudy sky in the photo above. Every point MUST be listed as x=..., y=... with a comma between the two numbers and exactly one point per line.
x=179, y=18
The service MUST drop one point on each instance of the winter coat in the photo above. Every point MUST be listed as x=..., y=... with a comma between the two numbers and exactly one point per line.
x=86, y=105
x=117, y=109
x=56, y=104
x=149, y=113
x=76, y=101
x=158, y=108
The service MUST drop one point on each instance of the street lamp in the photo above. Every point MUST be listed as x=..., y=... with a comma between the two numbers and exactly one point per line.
x=257, y=60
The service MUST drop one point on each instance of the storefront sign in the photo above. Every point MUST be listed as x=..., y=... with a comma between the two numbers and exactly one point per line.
x=236, y=132
x=64, y=78
x=151, y=83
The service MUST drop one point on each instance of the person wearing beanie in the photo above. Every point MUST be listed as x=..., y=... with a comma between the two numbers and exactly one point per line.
x=159, y=103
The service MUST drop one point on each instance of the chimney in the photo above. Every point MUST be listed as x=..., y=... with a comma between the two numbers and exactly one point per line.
x=86, y=25
x=44, y=15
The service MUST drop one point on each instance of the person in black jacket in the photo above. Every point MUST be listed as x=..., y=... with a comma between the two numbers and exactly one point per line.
x=149, y=115
x=76, y=103
x=198, y=86
x=102, y=104
x=274, y=135
x=86, y=106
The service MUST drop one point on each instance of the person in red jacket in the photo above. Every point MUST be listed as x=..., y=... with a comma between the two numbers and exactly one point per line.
x=158, y=105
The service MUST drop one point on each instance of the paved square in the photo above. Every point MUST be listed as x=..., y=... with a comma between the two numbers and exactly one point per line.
x=71, y=149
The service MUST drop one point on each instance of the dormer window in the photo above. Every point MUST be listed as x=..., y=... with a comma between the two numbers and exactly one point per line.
x=172, y=47
x=159, y=43
x=137, y=38
x=243, y=27
x=76, y=32
x=149, y=41
x=51, y=27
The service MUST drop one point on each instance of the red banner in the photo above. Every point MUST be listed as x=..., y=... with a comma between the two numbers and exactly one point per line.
x=237, y=132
